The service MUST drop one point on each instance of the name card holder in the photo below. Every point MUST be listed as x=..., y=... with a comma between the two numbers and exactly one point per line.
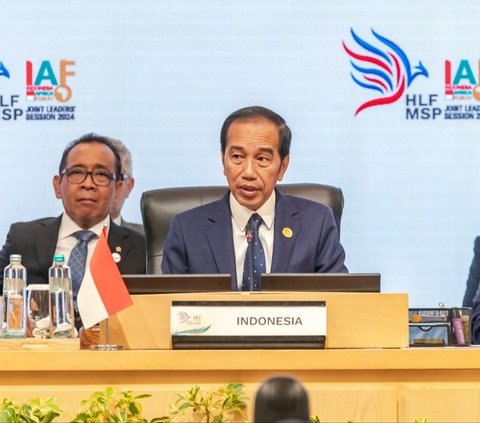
x=248, y=324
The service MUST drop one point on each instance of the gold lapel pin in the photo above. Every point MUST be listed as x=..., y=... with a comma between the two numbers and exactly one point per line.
x=287, y=232
x=116, y=255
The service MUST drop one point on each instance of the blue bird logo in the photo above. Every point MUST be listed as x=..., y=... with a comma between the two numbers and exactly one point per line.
x=4, y=71
x=383, y=67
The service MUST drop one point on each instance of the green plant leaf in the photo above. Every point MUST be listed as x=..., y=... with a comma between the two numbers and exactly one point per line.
x=135, y=408
x=184, y=406
x=8, y=415
x=112, y=406
x=141, y=396
x=35, y=410
x=217, y=406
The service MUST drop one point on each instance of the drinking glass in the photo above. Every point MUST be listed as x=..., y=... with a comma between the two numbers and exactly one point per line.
x=38, y=319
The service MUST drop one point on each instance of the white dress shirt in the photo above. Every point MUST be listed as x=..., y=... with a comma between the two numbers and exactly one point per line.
x=66, y=241
x=240, y=216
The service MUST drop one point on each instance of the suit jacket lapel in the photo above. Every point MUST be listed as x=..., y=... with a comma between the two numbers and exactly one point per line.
x=117, y=241
x=285, y=218
x=46, y=235
x=219, y=235
x=45, y=239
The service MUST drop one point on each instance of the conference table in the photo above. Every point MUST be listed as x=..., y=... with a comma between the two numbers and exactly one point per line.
x=360, y=385
x=367, y=384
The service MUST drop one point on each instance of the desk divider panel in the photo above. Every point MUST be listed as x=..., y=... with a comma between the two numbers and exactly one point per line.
x=354, y=320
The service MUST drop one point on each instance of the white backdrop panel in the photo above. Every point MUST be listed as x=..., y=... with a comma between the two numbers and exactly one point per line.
x=162, y=76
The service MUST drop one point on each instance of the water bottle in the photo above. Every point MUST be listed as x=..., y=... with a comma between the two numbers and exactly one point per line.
x=62, y=319
x=14, y=290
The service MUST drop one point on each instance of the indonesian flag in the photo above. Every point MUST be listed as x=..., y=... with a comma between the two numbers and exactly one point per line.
x=102, y=292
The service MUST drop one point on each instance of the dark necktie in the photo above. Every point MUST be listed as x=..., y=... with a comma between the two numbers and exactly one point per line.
x=78, y=259
x=254, y=264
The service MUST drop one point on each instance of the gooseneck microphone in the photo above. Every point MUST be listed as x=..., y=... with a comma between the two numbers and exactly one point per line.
x=249, y=236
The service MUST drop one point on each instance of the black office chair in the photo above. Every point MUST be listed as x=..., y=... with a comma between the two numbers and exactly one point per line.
x=281, y=399
x=159, y=206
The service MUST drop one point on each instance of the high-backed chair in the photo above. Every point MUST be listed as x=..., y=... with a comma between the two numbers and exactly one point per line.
x=159, y=206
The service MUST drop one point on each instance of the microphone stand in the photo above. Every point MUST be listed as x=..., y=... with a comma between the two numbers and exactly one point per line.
x=249, y=236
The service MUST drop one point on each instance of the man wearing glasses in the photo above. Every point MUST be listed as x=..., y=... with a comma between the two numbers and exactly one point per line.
x=88, y=182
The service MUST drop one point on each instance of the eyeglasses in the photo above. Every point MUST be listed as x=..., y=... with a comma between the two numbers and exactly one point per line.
x=124, y=176
x=77, y=175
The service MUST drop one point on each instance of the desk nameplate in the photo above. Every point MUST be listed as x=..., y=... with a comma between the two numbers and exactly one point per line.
x=248, y=324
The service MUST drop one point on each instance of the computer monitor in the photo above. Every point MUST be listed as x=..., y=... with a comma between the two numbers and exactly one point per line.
x=169, y=284
x=327, y=282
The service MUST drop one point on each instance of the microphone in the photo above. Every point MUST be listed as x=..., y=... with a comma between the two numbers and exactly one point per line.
x=248, y=233
x=249, y=236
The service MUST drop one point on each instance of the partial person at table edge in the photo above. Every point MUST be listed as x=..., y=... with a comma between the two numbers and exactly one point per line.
x=128, y=182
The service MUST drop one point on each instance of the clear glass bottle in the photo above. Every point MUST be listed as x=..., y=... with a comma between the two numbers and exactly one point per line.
x=14, y=290
x=62, y=320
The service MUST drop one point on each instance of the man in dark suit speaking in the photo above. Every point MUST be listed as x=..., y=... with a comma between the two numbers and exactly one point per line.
x=87, y=184
x=254, y=229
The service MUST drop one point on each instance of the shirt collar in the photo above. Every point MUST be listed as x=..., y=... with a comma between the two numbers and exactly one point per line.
x=68, y=226
x=241, y=214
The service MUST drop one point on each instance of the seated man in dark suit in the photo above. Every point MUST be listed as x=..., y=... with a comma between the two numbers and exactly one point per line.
x=475, y=318
x=473, y=280
x=254, y=229
x=87, y=184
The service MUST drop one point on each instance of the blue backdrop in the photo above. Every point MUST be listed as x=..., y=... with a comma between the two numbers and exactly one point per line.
x=162, y=76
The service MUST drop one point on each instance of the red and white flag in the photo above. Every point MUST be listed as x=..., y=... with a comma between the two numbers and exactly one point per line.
x=102, y=292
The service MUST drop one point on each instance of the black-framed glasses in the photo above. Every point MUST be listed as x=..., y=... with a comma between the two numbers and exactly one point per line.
x=77, y=175
x=124, y=176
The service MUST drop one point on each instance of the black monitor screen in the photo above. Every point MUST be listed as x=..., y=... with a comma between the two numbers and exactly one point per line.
x=327, y=282
x=165, y=284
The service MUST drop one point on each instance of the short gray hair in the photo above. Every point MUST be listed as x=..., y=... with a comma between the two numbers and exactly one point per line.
x=125, y=156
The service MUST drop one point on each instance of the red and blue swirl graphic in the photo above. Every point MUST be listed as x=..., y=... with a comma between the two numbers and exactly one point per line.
x=382, y=67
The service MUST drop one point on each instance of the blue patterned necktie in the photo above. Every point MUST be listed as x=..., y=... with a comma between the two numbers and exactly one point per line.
x=255, y=267
x=78, y=259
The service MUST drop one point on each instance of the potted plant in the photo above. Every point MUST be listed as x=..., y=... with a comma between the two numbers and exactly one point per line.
x=113, y=406
x=35, y=410
x=225, y=404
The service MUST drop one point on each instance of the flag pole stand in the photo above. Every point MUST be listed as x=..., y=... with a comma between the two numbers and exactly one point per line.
x=107, y=346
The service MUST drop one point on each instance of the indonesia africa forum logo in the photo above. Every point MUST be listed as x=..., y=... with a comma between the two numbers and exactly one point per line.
x=383, y=70
x=47, y=92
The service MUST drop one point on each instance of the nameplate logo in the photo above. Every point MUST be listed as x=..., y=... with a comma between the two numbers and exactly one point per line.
x=249, y=318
